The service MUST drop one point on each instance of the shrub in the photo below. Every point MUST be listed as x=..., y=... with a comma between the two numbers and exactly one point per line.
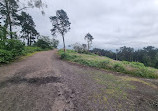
x=86, y=62
x=64, y=56
x=144, y=72
x=5, y=56
x=104, y=64
x=125, y=62
x=15, y=46
x=137, y=65
x=118, y=67
x=42, y=44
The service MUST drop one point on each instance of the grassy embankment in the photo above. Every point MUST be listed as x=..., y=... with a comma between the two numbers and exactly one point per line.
x=9, y=56
x=92, y=60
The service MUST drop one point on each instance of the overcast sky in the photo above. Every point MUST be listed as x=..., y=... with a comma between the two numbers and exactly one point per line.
x=113, y=23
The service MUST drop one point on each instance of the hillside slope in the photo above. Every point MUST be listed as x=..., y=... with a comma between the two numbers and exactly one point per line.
x=132, y=68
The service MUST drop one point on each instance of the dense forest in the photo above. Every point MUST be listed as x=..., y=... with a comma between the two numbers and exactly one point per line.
x=147, y=55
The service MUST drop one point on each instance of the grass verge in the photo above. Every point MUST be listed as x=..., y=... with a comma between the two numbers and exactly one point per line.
x=92, y=60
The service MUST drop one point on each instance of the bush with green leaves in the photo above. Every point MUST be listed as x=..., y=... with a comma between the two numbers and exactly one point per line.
x=118, y=67
x=5, y=56
x=104, y=64
x=46, y=43
x=42, y=44
x=15, y=46
x=11, y=49
x=3, y=33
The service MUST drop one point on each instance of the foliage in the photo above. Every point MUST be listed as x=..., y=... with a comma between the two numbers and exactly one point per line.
x=80, y=48
x=3, y=33
x=28, y=28
x=89, y=39
x=45, y=43
x=30, y=49
x=55, y=43
x=11, y=49
x=8, y=11
x=104, y=64
x=14, y=44
x=132, y=68
x=148, y=55
x=8, y=56
x=61, y=24
x=118, y=67
x=5, y=56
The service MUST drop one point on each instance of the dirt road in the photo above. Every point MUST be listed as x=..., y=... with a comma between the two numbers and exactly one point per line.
x=43, y=82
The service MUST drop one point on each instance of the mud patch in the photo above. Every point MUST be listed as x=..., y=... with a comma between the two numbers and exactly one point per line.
x=36, y=81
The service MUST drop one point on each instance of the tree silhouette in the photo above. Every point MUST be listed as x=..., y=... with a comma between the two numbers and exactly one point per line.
x=28, y=27
x=8, y=11
x=89, y=39
x=61, y=24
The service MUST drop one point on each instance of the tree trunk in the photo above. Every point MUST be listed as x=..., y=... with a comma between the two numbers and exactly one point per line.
x=8, y=19
x=116, y=56
x=28, y=41
x=64, y=42
x=10, y=27
x=88, y=46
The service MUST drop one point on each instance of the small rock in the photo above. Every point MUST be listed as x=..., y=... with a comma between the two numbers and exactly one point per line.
x=68, y=101
x=72, y=96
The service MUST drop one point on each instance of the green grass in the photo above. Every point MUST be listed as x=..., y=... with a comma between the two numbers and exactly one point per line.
x=115, y=88
x=92, y=60
x=29, y=49
x=9, y=56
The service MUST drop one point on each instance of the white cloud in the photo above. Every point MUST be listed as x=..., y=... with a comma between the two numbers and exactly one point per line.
x=113, y=23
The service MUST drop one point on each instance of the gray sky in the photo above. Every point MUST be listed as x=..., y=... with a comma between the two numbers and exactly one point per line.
x=113, y=23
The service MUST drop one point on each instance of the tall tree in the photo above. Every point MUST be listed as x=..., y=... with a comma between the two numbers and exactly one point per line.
x=61, y=24
x=28, y=27
x=55, y=43
x=8, y=11
x=126, y=53
x=89, y=39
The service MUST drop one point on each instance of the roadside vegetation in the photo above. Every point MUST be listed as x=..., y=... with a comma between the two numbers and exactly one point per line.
x=92, y=60
x=11, y=49
x=27, y=39
x=147, y=55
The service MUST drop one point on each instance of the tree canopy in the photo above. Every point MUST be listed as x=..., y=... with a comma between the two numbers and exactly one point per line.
x=28, y=27
x=61, y=24
x=89, y=39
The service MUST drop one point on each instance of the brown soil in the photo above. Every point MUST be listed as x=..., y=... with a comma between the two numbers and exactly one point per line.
x=43, y=82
